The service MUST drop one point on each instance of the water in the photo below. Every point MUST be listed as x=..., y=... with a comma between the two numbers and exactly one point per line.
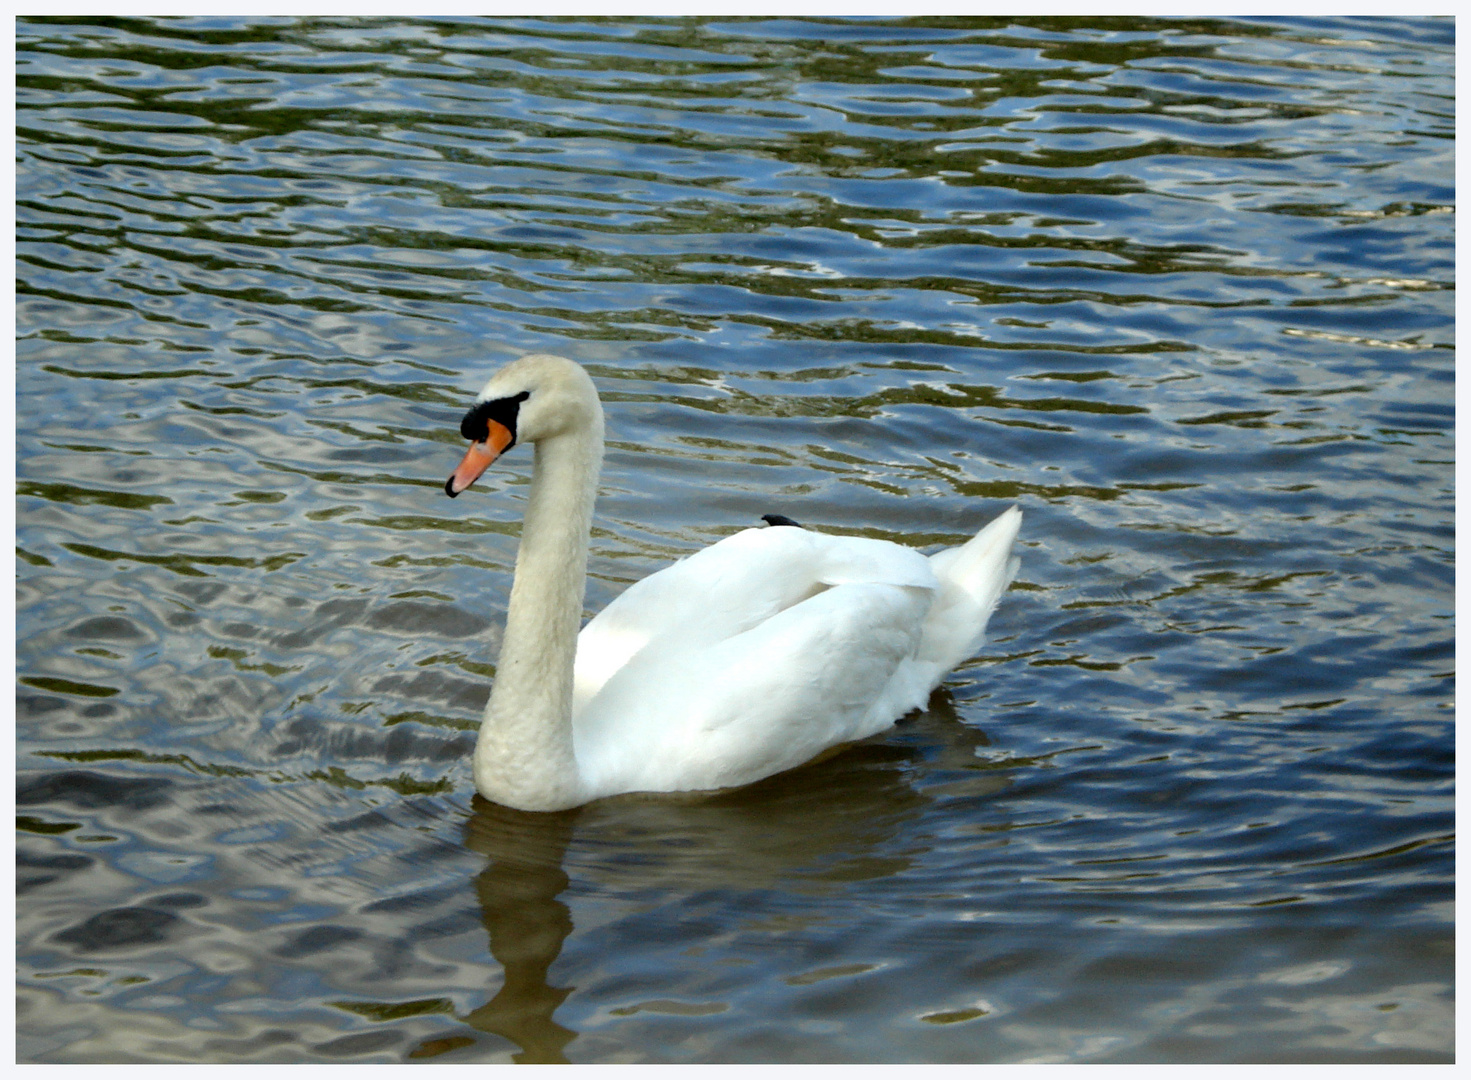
x=1182, y=289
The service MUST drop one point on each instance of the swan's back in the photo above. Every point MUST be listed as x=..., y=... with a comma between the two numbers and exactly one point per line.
x=759, y=652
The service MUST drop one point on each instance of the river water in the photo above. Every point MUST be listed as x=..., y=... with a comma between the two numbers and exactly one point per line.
x=1181, y=289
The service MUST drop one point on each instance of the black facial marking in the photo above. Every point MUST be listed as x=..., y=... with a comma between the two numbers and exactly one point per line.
x=779, y=519
x=502, y=410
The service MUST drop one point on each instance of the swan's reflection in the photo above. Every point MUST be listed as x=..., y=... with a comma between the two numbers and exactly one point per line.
x=813, y=829
x=527, y=924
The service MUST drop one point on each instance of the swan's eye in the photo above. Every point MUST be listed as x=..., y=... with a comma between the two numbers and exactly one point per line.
x=503, y=411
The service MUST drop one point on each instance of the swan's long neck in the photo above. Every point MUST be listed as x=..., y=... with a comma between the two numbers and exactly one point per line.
x=524, y=755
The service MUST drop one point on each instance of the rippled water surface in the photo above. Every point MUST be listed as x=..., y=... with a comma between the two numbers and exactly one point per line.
x=1181, y=289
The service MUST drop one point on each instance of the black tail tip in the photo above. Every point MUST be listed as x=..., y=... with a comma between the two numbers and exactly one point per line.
x=779, y=519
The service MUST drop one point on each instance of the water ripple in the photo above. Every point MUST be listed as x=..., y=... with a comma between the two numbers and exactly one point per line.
x=1183, y=288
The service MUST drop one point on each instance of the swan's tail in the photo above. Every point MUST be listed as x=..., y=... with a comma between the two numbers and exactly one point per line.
x=972, y=579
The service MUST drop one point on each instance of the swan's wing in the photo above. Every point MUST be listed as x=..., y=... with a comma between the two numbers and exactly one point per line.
x=831, y=669
x=728, y=588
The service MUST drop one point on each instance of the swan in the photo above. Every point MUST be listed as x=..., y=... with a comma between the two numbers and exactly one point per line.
x=750, y=657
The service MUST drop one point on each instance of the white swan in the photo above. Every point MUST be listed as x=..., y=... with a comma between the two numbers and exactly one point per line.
x=750, y=657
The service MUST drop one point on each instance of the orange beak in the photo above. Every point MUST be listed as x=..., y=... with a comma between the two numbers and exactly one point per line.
x=478, y=458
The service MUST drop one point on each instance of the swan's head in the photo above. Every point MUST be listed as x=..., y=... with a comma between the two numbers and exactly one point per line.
x=533, y=398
